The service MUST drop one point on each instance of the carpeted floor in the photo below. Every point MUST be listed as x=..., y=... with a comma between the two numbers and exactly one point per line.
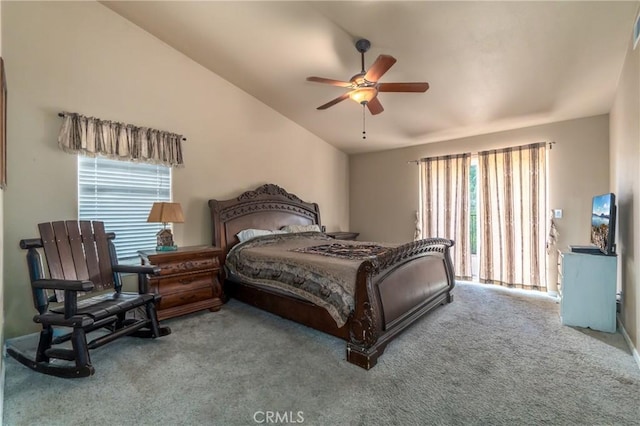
x=492, y=357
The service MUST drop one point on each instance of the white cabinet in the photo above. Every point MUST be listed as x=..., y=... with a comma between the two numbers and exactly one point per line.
x=588, y=291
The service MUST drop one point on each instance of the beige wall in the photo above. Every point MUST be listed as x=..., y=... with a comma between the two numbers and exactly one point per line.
x=1, y=269
x=82, y=57
x=384, y=188
x=625, y=182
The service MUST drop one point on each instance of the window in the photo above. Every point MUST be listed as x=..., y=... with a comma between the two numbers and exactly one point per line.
x=473, y=193
x=121, y=193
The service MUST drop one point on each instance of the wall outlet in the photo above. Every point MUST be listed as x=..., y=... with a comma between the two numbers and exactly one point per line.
x=557, y=213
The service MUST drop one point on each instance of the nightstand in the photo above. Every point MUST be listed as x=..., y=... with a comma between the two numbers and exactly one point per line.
x=343, y=235
x=189, y=279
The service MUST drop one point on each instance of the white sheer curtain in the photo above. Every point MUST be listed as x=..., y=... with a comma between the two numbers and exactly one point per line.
x=444, y=209
x=512, y=216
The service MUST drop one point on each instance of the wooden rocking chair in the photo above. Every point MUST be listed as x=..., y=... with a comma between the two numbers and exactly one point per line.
x=82, y=259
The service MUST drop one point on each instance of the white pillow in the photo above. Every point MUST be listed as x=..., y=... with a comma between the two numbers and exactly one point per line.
x=247, y=234
x=301, y=228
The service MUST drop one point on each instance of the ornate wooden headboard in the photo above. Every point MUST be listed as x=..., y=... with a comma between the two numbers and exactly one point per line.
x=267, y=207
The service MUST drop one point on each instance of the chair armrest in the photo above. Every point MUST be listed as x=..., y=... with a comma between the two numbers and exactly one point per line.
x=72, y=285
x=137, y=269
x=142, y=270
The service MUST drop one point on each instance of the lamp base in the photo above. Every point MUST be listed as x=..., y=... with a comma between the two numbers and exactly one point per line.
x=164, y=241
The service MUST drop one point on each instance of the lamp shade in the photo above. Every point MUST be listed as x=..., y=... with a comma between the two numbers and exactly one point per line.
x=166, y=213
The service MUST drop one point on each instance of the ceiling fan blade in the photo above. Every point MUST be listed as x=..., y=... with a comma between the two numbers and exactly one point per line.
x=379, y=67
x=403, y=87
x=335, y=101
x=330, y=81
x=375, y=107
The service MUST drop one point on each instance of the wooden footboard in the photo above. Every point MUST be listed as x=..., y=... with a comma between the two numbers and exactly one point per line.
x=393, y=292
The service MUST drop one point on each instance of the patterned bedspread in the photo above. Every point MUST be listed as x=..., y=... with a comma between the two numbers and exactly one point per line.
x=346, y=251
x=310, y=265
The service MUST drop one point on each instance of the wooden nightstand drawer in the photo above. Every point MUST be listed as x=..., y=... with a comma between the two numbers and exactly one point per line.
x=189, y=279
x=185, y=297
x=176, y=284
x=177, y=267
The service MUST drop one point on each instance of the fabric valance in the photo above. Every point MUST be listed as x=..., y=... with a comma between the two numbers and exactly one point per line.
x=92, y=136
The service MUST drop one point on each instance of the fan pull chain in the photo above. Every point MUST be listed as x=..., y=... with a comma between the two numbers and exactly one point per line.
x=364, y=132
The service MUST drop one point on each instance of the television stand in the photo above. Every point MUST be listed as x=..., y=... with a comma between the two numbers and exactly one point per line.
x=585, y=250
x=588, y=297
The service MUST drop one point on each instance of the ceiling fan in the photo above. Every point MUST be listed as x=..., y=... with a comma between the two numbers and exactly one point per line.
x=365, y=86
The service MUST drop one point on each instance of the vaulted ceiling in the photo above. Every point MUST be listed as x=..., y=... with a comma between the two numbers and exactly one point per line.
x=491, y=66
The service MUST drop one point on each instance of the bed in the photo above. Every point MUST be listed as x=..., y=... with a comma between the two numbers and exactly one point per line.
x=392, y=289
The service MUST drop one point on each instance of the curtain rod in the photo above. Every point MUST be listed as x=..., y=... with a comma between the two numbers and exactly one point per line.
x=416, y=162
x=61, y=114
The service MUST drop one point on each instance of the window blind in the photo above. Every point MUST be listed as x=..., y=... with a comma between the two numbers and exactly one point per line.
x=121, y=193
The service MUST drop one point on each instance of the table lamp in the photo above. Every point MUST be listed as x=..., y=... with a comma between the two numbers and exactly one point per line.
x=165, y=213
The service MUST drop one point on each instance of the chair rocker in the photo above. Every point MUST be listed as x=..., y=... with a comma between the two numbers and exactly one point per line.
x=81, y=259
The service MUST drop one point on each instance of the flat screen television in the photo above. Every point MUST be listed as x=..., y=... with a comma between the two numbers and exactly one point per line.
x=603, y=223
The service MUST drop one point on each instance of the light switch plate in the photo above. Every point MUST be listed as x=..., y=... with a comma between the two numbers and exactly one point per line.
x=557, y=213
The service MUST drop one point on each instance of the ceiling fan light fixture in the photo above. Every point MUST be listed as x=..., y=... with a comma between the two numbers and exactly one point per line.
x=364, y=86
x=363, y=94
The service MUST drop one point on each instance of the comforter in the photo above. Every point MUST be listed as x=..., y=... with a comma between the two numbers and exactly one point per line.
x=309, y=265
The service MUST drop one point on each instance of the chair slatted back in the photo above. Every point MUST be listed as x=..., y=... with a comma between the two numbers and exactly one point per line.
x=76, y=250
x=104, y=258
x=90, y=252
